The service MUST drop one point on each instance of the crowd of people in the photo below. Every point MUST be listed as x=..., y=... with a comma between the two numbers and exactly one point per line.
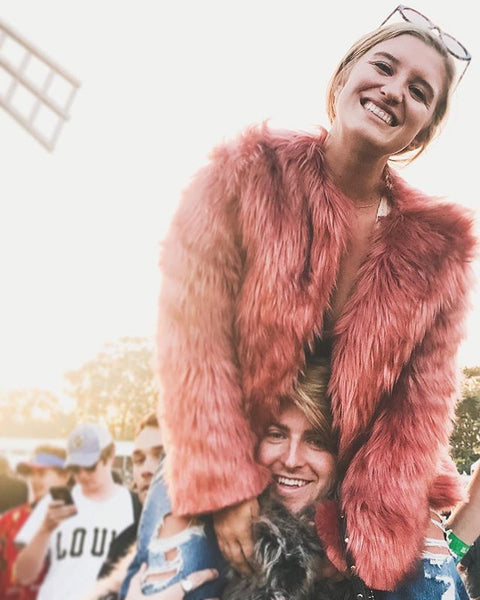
x=75, y=522
x=311, y=310
x=81, y=535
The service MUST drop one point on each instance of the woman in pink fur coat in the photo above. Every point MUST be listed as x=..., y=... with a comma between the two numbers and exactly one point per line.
x=292, y=244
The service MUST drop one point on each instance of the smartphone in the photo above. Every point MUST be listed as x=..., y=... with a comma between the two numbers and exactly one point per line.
x=61, y=493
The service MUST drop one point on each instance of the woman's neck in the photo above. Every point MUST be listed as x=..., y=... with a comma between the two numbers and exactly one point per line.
x=358, y=175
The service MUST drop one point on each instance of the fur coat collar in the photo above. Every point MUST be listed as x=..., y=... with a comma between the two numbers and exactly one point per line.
x=249, y=266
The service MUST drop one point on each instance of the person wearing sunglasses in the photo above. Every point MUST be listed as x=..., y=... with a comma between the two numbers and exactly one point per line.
x=74, y=534
x=42, y=471
x=291, y=246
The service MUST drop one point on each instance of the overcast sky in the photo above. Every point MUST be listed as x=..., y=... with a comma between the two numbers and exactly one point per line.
x=162, y=82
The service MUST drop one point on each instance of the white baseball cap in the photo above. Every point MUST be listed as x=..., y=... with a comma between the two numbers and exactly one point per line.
x=85, y=444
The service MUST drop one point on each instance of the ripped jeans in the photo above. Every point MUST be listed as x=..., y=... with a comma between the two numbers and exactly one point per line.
x=438, y=579
x=196, y=548
x=190, y=550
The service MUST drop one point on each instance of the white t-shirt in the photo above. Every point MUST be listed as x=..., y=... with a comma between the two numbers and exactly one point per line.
x=78, y=547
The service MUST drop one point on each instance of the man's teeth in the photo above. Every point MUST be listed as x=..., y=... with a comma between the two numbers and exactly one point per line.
x=292, y=482
x=379, y=112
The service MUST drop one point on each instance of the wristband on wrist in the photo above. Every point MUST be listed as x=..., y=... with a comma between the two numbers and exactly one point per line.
x=457, y=546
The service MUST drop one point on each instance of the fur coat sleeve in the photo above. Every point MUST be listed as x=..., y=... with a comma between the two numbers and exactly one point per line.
x=209, y=441
x=402, y=467
x=387, y=493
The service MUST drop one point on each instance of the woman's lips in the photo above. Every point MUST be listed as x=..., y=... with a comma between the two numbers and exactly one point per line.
x=384, y=115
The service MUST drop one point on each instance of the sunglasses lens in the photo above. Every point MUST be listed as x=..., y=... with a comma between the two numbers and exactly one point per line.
x=455, y=47
x=75, y=470
x=416, y=18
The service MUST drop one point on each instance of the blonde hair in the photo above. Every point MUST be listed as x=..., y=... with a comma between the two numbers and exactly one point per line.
x=311, y=397
x=366, y=43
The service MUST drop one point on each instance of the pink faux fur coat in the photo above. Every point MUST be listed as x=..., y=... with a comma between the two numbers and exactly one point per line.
x=248, y=266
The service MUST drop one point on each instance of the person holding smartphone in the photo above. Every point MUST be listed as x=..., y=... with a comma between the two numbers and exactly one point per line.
x=76, y=536
x=44, y=469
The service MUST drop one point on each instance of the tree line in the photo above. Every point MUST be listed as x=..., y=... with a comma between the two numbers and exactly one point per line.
x=118, y=387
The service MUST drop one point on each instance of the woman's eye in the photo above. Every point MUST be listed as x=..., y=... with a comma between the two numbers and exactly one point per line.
x=384, y=67
x=418, y=93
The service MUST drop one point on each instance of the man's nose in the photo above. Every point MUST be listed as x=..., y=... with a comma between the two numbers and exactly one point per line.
x=293, y=457
x=149, y=467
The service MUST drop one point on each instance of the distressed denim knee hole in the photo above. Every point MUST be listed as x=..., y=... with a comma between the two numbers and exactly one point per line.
x=166, y=555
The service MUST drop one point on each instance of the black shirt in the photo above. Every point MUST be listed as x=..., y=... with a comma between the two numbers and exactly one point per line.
x=123, y=541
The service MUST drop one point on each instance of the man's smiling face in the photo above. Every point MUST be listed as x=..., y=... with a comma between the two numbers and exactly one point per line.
x=302, y=469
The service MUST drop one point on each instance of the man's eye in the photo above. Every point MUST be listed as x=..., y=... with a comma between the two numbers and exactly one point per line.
x=317, y=442
x=275, y=434
x=384, y=67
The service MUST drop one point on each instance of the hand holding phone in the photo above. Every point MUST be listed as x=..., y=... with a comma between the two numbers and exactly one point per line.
x=62, y=507
x=62, y=493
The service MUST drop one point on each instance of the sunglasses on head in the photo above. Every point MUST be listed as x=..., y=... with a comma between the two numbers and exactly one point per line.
x=75, y=469
x=453, y=46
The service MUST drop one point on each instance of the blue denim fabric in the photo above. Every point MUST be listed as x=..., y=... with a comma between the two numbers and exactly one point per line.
x=197, y=547
x=437, y=580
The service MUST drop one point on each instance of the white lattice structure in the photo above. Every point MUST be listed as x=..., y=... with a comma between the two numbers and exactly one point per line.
x=34, y=90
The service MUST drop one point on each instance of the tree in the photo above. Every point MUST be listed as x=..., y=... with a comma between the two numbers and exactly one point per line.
x=465, y=439
x=117, y=387
x=34, y=413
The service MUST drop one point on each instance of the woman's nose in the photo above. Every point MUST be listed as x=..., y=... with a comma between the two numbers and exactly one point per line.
x=392, y=92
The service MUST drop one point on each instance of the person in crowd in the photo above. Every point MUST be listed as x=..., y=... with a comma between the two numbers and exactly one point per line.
x=74, y=533
x=146, y=456
x=13, y=491
x=464, y=534
x=44, y=470
x=289, y=246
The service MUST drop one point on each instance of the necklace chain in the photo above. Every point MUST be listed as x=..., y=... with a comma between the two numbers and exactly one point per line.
x=387, y=192
x=369, y=205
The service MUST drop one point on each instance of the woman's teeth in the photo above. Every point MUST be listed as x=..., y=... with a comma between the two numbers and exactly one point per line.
x=291, y=482
x=381, y=114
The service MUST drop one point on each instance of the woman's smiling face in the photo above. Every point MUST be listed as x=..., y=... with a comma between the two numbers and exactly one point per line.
x=390, y=94
x=302, y=469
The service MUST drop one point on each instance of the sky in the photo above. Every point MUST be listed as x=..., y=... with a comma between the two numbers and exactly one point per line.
x=161, y=83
